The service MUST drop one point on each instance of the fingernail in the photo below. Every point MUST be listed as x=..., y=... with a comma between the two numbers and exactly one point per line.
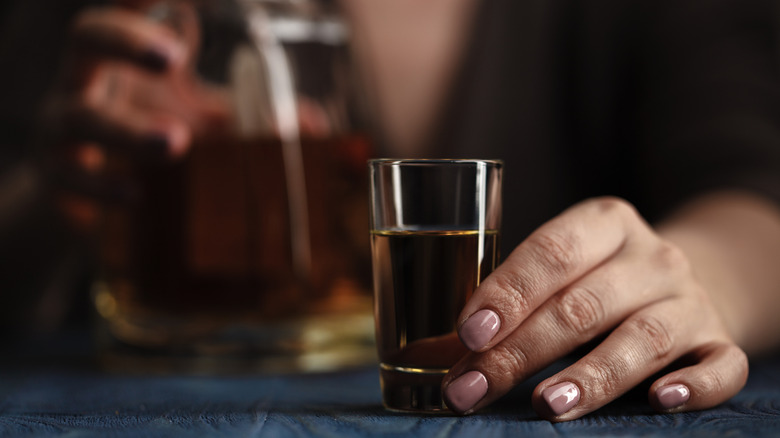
x=465, y=391
x=672, y=396
x=160, y=58
x=479, y=329
x=561, y=397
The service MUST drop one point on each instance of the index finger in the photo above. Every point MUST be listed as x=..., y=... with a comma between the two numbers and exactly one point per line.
x=558, y=253
x=125, y=34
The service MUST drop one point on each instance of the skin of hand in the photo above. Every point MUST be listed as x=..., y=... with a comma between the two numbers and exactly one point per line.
x=127, y=88
x=656, y=299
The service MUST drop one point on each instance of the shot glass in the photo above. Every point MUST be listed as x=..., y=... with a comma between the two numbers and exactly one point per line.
x=434, y=238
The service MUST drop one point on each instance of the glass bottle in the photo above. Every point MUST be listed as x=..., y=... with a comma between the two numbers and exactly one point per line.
x=250, y=252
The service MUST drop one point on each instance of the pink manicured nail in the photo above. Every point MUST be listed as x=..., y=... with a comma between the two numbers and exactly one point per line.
x=465, y=391
x=479, y=329
x=561, y=397
x=672, y=396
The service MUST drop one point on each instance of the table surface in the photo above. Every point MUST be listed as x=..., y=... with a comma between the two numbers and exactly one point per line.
x=54, y=388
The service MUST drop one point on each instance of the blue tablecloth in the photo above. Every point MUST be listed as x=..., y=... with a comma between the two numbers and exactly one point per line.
x=66, y=395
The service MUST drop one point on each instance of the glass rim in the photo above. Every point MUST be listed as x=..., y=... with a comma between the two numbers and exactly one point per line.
x=433, y=161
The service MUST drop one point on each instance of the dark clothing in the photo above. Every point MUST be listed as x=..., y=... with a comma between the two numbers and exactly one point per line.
x=653, y=101
x=43, y=264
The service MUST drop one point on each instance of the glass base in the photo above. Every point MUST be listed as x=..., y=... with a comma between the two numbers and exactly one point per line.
x=307, y=344
x=407, y=389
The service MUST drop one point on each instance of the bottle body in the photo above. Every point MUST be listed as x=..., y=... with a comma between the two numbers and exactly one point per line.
x=253, y=246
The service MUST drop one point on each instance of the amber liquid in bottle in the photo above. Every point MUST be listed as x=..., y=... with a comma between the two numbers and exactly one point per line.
x=202, y=259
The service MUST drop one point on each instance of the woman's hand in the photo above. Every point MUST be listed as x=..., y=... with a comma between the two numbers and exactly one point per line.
x=127, y=88
x=128, y=83
x=596, y=270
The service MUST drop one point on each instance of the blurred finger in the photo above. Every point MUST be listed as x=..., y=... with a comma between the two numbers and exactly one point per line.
x=156, y=138
x=430, y=352
x=100, y=115
x=127, y=35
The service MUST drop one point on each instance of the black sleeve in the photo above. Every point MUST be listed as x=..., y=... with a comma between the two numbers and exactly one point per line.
x=43, y=264
x=709, y=103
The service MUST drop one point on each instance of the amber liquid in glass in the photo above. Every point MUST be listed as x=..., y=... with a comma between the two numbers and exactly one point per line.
x=422, y=280
x=202, y=261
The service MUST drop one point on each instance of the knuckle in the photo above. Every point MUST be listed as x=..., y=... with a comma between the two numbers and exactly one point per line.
x=671, y=258
x=711, y=382
x=508, y=362
x=580, y=310
x=602, y=377
x=607, y=205
x=514, y=287
x=559, y=252
x=653, y=334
